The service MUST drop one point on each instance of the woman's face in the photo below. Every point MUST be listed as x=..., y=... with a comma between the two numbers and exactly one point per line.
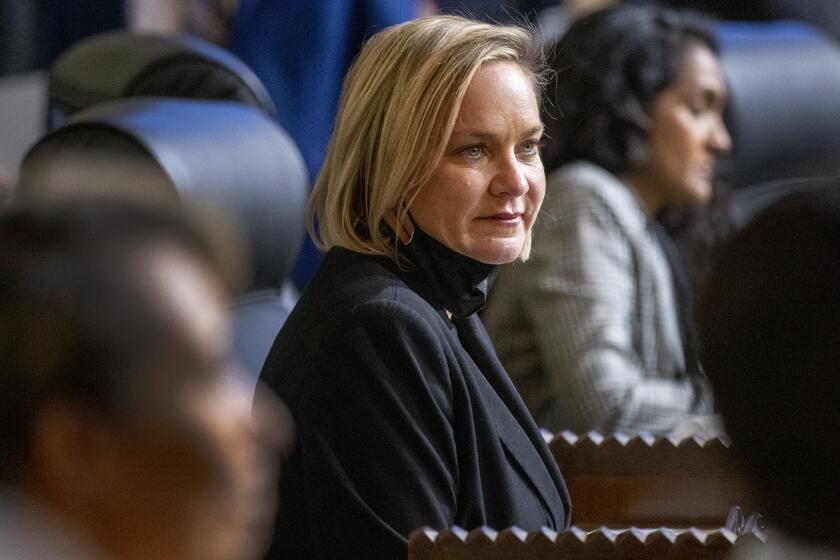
x=484, y=195
x=687, y=134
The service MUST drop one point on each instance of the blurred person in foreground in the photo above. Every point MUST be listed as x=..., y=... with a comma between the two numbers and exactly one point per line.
x=406, y=417
x=125, y=432
x=769, y=325
x=592, y=328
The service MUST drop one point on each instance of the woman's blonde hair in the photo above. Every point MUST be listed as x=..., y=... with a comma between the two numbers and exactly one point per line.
x=399, y=104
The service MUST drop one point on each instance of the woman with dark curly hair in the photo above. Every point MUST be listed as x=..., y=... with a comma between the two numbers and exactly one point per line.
x=590, y=328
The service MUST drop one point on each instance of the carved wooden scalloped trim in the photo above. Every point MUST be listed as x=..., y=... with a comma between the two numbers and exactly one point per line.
x=596, y=439
x=486, y=543
x=618, y=454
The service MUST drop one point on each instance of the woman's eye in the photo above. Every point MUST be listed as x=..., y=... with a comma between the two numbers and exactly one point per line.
x=472, y=152
x=697, y=106
x=531, y=147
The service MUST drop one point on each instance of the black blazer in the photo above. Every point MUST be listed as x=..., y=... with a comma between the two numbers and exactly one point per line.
x=405, y=418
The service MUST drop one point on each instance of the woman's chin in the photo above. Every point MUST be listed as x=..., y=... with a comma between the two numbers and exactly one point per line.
x=697, y=192
x=498, y=252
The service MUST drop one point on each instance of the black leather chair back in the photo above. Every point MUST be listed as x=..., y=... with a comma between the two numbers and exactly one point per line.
x=222, y=153
x=121, y=64
x=750, y=201
x=784, y=109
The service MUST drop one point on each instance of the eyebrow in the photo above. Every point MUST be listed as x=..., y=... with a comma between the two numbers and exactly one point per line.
x=481, y=135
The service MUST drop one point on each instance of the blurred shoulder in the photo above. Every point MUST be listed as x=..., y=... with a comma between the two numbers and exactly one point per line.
x=583, y=181
x=580, y=189
x=351, y=286
x=355, y=304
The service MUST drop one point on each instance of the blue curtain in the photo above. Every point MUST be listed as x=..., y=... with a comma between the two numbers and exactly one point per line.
x=301, y=49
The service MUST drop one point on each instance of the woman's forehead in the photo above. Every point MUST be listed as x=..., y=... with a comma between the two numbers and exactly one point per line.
x=499, y=96
x=701, y=70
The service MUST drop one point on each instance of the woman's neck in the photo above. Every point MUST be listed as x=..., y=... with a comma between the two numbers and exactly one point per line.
x=648, y=193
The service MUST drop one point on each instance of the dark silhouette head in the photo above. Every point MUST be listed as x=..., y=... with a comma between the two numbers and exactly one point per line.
x=769, y=322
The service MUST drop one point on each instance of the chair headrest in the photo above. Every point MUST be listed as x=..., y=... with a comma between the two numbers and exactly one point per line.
x=783, y=114
x=121, y=64
x=749, y=201
x=216, y=152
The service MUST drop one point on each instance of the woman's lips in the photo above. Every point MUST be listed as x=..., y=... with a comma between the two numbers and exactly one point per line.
x=504, y=218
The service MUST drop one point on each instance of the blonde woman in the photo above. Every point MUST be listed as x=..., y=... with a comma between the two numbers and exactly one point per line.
x=406, y=418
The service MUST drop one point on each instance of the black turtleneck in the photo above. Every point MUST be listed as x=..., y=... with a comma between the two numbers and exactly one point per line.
x=457, y=282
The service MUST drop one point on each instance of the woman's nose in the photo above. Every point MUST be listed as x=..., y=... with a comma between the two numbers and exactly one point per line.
x=510, y=178
x=720, y=140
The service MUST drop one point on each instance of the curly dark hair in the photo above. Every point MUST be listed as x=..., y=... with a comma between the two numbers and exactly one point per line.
x=608, y=69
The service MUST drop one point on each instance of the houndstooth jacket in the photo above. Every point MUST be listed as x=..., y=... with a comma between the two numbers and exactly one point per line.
x=588, y=327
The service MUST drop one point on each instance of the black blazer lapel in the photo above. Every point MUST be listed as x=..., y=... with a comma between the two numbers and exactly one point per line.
x=535, y=460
